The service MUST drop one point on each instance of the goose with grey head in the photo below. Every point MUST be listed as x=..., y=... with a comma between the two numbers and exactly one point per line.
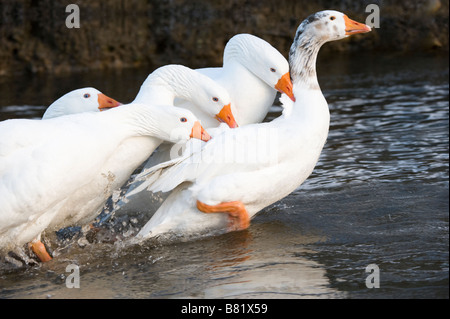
x=223, y=186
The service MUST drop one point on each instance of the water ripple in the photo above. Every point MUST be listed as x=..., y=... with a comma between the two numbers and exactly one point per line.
x=395, y=133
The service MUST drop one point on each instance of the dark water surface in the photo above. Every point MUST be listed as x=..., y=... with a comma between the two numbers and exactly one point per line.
x=379, y=195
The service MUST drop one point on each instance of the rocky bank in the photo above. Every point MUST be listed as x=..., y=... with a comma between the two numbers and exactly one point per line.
x=127, y=33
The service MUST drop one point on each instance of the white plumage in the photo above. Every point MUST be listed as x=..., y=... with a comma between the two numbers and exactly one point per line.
x=52, y=171
x=79, y=101
x=298, y=138
x=252, y=73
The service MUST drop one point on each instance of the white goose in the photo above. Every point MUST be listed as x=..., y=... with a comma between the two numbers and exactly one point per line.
x=79, y=101
x=50, y=169
x=161, y=87
x=211, y=101
x=253, y=71
x=227, y=176
x=206, y=98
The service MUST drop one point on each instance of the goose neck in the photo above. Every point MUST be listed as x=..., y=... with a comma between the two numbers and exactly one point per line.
x=166, y=84
x=155, y=94
x=136, y=119
x=181, y=82
x=302, y=60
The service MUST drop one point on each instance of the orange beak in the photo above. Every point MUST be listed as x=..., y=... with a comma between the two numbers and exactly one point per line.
x=199, y=132
x=226, y=116
x=106, y=103
x=353, y=27
x=284, y=85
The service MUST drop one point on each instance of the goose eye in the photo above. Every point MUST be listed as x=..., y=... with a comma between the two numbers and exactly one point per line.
x=332, y=18
x=273, y=70
x=87, y=95
x=215, y=99
x=183, y=119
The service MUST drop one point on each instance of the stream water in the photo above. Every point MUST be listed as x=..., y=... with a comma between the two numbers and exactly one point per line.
x=379, y=195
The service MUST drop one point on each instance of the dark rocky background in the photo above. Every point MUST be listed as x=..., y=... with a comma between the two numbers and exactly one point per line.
x=128, y=33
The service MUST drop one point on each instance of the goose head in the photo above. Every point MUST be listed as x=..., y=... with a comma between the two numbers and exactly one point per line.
x=176, y=124
x=262, y=59
x=169, y=82
x=79, y=101
x=330, y=25
x=214, y=100
x=312, y=33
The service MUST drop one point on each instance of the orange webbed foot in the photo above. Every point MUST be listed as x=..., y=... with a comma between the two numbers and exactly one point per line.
x=237, y=213
x=40, y=251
